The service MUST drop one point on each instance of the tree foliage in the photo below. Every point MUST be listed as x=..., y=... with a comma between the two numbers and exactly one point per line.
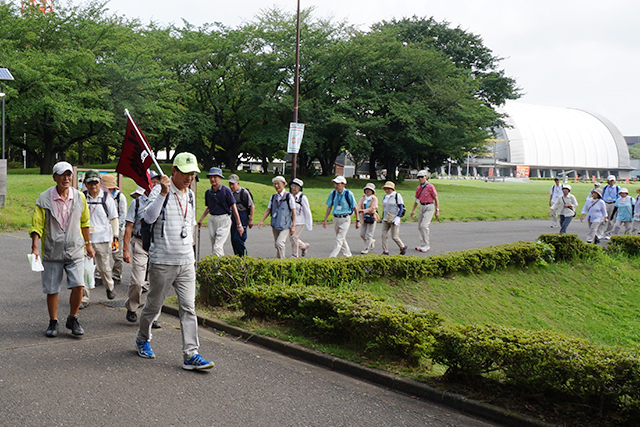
x=407, y=93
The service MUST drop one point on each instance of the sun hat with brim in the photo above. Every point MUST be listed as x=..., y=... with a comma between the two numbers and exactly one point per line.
x=298, y=182
x=186, y=163
x=567, y=186
x=234, y=179
x=389, y=184
x=91, y=177
x=623, y=190
x=138, y=191
x=279, y=178
x=215, y=172
x=61, y=167
x=370, y=186
x=597, y=191
x=110, y=181
x=339, y=179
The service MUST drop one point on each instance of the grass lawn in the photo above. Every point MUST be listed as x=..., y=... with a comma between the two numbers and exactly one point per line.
x=460, y=200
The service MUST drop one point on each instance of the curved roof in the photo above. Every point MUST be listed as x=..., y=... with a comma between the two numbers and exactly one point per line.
x=558, y=137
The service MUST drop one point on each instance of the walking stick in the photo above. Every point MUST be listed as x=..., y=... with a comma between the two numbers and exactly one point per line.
x=198, y=246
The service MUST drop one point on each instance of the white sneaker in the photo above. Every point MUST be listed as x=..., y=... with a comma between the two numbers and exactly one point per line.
x=423, y=248
x=554, y=226
x=364, y=252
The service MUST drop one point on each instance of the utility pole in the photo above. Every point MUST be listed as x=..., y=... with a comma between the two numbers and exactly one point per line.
x=296, y=90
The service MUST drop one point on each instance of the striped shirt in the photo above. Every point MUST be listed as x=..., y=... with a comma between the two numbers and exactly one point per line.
x=172, y=249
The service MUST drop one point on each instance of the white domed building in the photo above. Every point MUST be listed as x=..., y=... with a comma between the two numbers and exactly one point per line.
x=547, y=141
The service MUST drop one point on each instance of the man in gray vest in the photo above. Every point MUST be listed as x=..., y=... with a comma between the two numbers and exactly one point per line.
x=282, y=208
x=61, y=221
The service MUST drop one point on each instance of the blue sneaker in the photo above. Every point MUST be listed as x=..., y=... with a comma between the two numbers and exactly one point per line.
x=196, y=363
x=144, y=349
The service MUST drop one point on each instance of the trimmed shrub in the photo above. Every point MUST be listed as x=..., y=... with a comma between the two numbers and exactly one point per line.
x=568, y=246
x=542, y=362
x=624, y=244
x=357, y=318
x=224, y=275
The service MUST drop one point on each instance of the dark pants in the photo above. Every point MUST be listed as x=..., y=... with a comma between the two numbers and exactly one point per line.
x=564, y=223
x=237, y=241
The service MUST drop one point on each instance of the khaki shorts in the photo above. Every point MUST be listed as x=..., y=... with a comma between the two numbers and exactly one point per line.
x=52, y=275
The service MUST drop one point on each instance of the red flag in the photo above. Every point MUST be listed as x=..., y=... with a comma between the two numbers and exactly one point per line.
x=135, y=159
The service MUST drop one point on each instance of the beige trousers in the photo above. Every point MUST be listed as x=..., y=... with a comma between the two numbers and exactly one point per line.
x=219, y=230
x=296, y=243
x=280, y=239
x=395, y=235
x=139, y=260
x=425, y=214
x=341, y=227
x=103, y=267
x=366, y=233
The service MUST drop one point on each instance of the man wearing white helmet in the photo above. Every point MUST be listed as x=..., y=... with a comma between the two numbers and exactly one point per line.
x=610, y=193
x=624, y=213
x=566, y=205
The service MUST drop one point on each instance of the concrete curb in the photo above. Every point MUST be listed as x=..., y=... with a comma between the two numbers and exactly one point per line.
x=403, y=385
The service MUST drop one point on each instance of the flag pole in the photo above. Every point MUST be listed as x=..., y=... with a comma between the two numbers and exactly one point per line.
x=144, y=141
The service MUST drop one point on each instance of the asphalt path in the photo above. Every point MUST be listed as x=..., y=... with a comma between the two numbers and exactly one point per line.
x=98, y=379
x=445, y=237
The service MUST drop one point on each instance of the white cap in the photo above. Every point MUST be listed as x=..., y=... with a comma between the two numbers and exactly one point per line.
x=279, y=178
x=61, y=167
x=339, y=179
x=139, y=191
x=623, y=190
x=567, y=186
x=422, y=173
x=597, y=184
x=611, y=178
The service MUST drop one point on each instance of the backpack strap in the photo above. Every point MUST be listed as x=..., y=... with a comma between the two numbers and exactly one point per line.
x=103, y=203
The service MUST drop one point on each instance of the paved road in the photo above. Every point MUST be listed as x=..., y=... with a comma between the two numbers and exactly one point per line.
x=445, y=237
x=98, y=380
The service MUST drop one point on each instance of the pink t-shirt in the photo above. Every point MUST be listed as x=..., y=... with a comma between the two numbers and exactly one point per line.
x=62, y=207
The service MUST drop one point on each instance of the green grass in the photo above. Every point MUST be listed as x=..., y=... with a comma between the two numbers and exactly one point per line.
x=460, y=200
x=595, y=300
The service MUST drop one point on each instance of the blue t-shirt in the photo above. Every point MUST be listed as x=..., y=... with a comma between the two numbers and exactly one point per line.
x=339, y=202
x=219, y=202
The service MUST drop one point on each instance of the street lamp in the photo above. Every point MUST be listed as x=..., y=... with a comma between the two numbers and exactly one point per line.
x=5, y=75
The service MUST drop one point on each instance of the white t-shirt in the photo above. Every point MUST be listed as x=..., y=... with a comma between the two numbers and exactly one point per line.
x=556, y=191
x=100, y=230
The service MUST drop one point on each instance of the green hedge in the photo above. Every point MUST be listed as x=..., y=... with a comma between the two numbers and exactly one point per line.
x=624, y=244
x=543, y=362
x=534, y=362
x=223, y=275
x=568, y=246
x=356, y=318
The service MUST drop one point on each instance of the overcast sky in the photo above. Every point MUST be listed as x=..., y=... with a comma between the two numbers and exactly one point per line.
x=568, y=53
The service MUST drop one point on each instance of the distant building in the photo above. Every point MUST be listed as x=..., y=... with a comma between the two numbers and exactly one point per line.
x=546, y=141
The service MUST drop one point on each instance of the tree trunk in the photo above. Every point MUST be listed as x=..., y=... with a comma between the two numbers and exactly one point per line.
x=373, y=174
x=80, y=153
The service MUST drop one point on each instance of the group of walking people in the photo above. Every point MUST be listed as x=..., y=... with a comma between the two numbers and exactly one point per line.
x=69, y=225
x=608, y=210
x=290, y=214
x=155, y=233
